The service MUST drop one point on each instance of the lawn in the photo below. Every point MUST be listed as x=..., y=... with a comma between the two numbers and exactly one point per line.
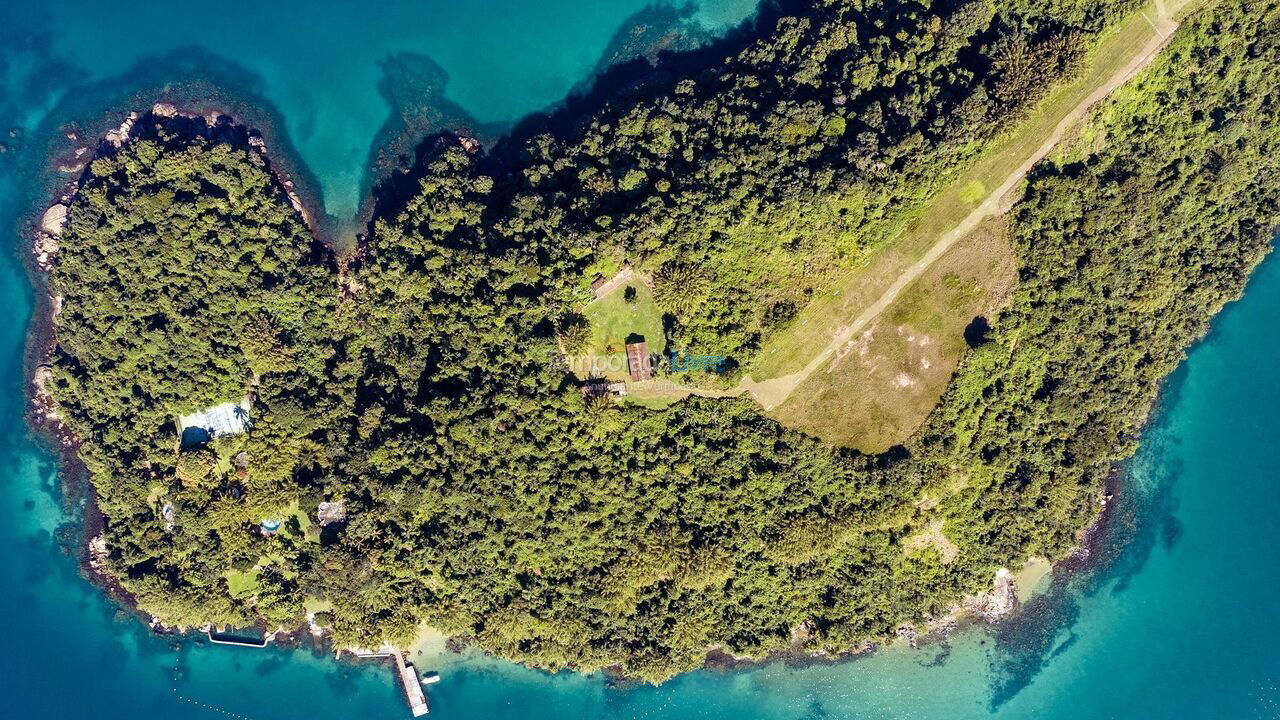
x=242, y=584
x=313, y=604
x=613, y=320
x=309, y=531
x=885, y=381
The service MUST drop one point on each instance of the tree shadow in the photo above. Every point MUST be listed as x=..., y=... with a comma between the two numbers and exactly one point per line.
x=977, y=332
x=195, y=80
x=654, y=47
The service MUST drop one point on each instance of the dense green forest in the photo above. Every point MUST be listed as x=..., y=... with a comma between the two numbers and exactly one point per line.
x=1128, y=245
x=745, y=187
x=483, y=494
x=188, y=280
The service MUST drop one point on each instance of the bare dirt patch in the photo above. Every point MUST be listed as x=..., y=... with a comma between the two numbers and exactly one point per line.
x=932, y=536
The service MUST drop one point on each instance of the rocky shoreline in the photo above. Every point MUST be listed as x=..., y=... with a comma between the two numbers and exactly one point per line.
x=43, y=231
x=986, y=609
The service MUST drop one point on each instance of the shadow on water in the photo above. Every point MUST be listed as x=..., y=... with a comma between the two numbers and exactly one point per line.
x=1140, y=517
x=647, y=34
x=414, y=86
x=190, y=77
x=653, y=48
x=629, y=66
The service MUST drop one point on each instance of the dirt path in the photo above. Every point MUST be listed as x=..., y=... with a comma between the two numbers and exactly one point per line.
x=772, y=392
x=625, y=275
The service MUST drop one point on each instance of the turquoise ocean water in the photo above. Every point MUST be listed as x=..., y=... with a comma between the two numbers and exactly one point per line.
x=1175, y=619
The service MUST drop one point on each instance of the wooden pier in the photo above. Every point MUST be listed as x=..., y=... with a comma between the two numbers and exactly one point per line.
x=408, y=675
x=412, y=687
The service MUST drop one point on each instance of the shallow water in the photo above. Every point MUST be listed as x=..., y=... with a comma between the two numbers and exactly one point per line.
x=1174, y=621
x=321, y=63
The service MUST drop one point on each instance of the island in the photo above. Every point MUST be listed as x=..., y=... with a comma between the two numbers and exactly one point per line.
x=881, y=293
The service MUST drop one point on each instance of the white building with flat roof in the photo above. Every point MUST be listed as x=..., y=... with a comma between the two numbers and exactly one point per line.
x=229, y=418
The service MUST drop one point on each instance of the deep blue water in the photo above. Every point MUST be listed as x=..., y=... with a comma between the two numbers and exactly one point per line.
x=1175, y=619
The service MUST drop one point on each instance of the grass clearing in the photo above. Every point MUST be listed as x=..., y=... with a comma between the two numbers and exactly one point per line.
x=304, y=522
x=663, y=392
x=612, y=321
x=655, y=394
x=793, y=348
x=313, y=604
x=242, y=584
x=884, y=382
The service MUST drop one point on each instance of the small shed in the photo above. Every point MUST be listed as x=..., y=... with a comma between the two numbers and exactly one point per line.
x=241, y=463
x=639, y=363
x=331, y=512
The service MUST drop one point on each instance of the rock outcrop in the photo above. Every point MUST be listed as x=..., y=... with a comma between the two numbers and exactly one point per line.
x=54, y=219
x=997, y=603
x=120, y=135
x=44, y=245
x=331, y=512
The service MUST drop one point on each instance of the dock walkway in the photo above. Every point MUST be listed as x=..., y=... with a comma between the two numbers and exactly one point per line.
x=412, y=688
